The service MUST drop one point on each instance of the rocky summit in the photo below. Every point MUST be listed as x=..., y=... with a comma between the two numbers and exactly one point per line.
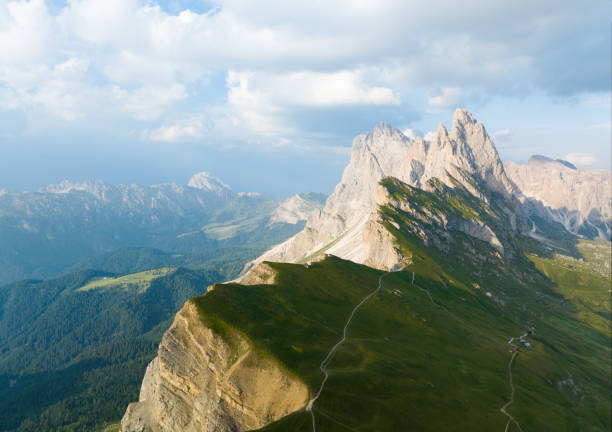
x=464, y=156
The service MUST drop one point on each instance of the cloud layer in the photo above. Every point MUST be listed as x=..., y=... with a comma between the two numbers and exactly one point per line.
x=302, y=74
x=135, y=58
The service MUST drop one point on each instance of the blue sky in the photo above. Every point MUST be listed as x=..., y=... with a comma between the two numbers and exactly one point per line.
x=269, y=97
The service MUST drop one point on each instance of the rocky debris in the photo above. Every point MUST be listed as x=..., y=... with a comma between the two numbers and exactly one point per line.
x=554, y=191
x=201, y=381
x=570, y=384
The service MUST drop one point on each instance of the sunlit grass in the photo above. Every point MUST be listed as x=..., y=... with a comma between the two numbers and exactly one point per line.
x=139, y=282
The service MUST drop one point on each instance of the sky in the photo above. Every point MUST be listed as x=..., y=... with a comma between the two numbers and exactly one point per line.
x=269, y=95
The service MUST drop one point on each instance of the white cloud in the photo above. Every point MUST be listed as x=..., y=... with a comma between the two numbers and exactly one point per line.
x=581, y=159
x=190, y=130
x=73, y=65
x=445, y=97
x=26, y=32
x=103, y=21
x=131, y=56
x=148, y=103
x=328, y=89
x=63, y=98
x=261, y=99
x=501, y=133
x=253, y=106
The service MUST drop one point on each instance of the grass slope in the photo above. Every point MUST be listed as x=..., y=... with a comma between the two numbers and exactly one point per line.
x=136, y=281
x=432, y=353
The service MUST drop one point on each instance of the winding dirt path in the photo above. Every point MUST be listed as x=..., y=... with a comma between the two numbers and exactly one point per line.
x=330, y=354
x=511, y=419
x=515, y=352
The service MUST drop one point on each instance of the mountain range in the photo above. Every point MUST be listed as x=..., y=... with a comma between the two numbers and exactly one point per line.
x=46, y=232
x=435, y=290
x=465, y=156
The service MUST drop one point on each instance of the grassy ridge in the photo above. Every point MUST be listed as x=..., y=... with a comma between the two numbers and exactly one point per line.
x=434, y=354
x=408, y=360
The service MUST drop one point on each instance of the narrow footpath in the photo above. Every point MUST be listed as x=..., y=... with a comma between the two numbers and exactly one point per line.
x=330, y=354
x=515, y=352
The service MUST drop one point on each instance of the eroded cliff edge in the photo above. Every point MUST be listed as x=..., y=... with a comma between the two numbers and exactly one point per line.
x=208, y=377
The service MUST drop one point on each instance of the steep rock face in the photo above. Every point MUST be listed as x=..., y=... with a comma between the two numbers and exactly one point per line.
x=345, y=227
x=467, y=151
x=342, y=219
x=555, y=191
x=433, y=212
x=380, y=249
x=202, y=381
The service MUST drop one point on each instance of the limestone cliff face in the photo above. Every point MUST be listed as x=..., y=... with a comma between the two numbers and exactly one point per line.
x=374, y=156
x=346, y=226
x=380, y=248
x=203, y=382
x=555, y=191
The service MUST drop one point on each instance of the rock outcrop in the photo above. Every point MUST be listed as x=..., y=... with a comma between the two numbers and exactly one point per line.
x=346, y=226
x=203, y=381
x=555, y=191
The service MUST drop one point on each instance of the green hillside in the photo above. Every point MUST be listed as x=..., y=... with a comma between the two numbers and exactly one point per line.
x=444, y=342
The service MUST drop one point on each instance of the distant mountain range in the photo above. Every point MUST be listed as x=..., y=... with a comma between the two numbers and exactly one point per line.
x=43, y=233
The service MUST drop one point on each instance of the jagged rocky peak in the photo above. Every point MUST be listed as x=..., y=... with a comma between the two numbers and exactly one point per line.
x=386, y=130
x=466, y=150
x=208, y=182
x=466, y=155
